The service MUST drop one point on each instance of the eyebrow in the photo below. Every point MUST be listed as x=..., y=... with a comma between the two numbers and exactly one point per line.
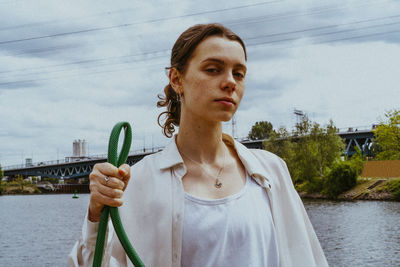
x=220, y=61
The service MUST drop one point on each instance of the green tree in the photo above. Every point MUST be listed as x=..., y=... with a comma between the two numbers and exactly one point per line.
x=341, y=178
x=261, y=130
x=387, y=137
x=357, y=161
x=309, y=152
x=315, y=151
x=280, y=144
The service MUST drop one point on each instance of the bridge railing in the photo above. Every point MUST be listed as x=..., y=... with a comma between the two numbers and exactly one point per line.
x=77, y=159
x=356, y=129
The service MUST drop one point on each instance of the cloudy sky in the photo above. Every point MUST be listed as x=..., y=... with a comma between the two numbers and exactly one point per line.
x=72, y=69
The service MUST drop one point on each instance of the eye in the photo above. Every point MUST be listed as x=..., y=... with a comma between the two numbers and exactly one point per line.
x=212, y=70
x=239, y=75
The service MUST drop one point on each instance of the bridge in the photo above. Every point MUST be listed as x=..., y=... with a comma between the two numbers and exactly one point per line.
x=67, y=169
x=354, y=139
x=78, y=168
x=360, y=139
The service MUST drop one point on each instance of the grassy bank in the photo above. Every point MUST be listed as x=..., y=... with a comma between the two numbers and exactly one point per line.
x=367, y=189
x=375, y=189
x=16, y=188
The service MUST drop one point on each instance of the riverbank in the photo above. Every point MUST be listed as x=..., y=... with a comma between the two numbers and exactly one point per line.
x=28, y=189
x=366, y=189
x=48, y=188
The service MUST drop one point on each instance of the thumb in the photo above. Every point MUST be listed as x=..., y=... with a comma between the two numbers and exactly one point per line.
x=125, y=171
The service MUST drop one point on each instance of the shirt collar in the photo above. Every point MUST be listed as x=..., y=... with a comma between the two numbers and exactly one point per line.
x=170, y=156
x=251, y=163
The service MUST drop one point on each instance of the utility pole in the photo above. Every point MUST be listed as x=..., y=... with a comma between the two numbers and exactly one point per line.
x=234, y=126
x=299, y=115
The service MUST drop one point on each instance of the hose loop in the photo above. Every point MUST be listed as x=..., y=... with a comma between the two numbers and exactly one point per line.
x=117, y=161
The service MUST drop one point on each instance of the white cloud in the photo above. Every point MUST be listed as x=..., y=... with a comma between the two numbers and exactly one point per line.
x=78, y=85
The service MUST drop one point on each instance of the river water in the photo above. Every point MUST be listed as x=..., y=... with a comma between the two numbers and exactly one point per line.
x=40, y=230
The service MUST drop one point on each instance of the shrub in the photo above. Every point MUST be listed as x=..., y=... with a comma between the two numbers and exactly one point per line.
x=51, y=180
x=394, y=187
x=357, y=161
x=313, y=186
x=342, y=177
x=13, y=183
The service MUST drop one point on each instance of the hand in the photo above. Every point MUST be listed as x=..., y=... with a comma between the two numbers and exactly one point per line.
x=103, y=192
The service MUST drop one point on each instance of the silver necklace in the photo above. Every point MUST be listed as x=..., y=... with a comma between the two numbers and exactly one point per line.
x=217, y=183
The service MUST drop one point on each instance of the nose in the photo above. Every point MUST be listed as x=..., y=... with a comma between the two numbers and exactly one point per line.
x=228, y=82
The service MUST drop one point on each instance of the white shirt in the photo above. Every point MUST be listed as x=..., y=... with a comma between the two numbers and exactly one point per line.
x=152, y=213
x=233, y=231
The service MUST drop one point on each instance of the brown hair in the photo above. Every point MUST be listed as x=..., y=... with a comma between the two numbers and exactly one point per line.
x=180, y=55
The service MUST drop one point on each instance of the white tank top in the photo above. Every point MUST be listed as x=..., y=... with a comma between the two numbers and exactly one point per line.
x=233, y=231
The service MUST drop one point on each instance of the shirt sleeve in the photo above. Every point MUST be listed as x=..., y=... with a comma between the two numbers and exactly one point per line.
x=82, y=253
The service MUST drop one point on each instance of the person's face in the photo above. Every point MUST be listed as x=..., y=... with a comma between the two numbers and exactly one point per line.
x=213, y=82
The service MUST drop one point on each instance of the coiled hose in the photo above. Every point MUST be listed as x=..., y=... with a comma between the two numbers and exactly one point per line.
x=117, y=161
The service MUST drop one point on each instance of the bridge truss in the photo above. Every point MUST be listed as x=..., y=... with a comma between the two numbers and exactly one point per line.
x=69, y=170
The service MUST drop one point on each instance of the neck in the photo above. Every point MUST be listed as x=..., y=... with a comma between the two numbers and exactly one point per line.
x=201, y=141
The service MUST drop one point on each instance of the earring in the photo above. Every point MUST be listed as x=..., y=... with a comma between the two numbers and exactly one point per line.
x=179, y=96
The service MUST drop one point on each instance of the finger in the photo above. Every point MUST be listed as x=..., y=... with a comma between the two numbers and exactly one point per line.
x=112, y=182
x=106, y=200
x=125, y=171
x=97, y=177
x=101, y=193
x=109, y=192
x=107, y=169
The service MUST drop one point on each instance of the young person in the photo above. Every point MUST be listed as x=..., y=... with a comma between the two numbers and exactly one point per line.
x=205, y=200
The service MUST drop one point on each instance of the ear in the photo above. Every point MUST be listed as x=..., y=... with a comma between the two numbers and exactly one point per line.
x=175, y=80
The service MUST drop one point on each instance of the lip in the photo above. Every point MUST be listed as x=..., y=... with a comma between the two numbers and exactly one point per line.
x=226, y=100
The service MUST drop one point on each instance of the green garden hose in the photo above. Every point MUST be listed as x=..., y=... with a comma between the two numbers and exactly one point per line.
x=113, y=211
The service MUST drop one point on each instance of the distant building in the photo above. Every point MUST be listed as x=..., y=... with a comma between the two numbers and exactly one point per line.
x=28, y=162
x=79, y=148
x=79, y=151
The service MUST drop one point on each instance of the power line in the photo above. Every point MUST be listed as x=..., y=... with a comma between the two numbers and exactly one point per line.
x=88, y=61
x=249, y=38
x=250, y=45
x=165, y=51
x=243, y=21
x=134, y=23
x=360, y=36
x=76, y=18
x=331, y=26
x=73, y=75
x=314, y=11
x=153, y=54
x=327, y=33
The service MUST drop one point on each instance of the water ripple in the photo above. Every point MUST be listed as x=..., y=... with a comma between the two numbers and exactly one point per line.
x=40, y=230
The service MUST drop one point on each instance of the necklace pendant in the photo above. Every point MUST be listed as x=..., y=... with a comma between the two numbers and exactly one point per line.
x=217, y=184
